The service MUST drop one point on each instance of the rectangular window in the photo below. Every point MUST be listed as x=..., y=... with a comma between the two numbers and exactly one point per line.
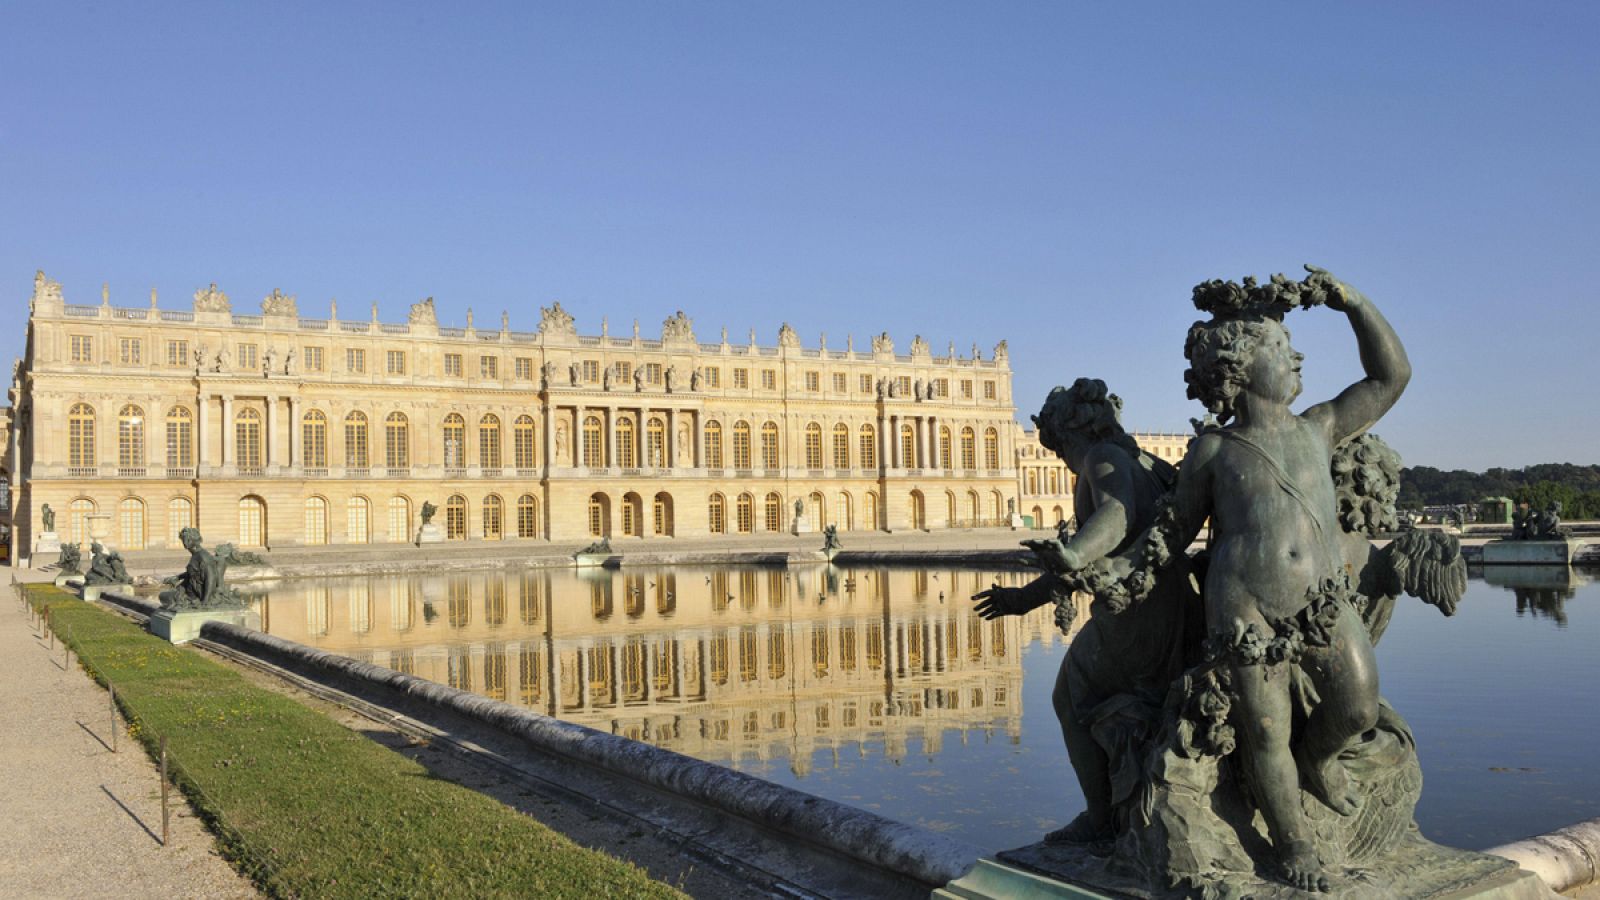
x=313, y=357
x=130, y=351
x=741, y=378
x=591, y=371
x=813, y=381
x=249, y=356
x=713, y=377
x=903, y=383
x=395, y=362
x=941, y=387
x=652, y=373
x=966, y=389
x=489, y=367
x=355, y=360
x=864, y=384
x=624, y=372
x=841, y=383
x=82, y=348
x=524, y=368
x=769, y=379
x=452, y=365
x=988, y=390
x=178, y=353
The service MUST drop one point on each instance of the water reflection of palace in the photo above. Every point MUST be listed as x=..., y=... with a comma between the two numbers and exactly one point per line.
x=726, y=664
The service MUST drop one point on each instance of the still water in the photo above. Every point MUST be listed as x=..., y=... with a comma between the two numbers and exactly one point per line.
x=879, y=687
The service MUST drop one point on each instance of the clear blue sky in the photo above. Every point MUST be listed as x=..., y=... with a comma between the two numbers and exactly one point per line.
x=1055, y=174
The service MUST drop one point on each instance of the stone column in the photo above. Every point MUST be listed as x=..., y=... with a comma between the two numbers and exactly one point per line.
x=203, y=436
x=919, y=434
x=670, y=440
x=933, y=443
x=611, y=436
x=700, y=439
x=894, y=442
x=295, y=450
x=227, y=429
x=883, y=444
x=549, y=438
x=271, y=443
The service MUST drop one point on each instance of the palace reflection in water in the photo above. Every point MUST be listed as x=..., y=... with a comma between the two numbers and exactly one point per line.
x=724, y=664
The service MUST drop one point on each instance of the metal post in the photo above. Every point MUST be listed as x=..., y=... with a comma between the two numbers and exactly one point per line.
x=114, y=728
x=164, y=790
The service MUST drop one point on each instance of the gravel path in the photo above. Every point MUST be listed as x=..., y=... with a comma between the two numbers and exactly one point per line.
x=78, y=820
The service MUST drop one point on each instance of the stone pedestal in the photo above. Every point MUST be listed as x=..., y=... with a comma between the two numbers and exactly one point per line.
x=1016, y=522
x=801, y=525
x=1530, y=553
x=183, y=626
x=430, y=534
x=47, y=547
x=597, y=560
x=68, y=582
x=92, y=592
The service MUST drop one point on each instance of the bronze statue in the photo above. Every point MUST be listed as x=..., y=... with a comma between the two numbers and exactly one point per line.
x=830, y=539
x=201, y=585
x=70, y=559
x=428, y=512
x=106, y=566
x=1539, y=525
x=47, y=517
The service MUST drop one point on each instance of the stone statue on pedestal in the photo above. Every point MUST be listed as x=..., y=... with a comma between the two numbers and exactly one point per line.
x=69, y=560
x=429, y=510
x=47, y=517
x=106, y=566
x=202, y=583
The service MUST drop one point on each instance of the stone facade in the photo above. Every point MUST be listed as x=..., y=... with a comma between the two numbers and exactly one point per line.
x=1044, y=483
x=278, y=430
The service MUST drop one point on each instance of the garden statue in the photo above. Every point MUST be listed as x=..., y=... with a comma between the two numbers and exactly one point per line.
x=428, y=512
x=70, y=559
x=106, y=566
x=201, y=584
x=830, y=539
x=601, y=546
x=1242, y=736
x=47, y=517
x=1538, y=525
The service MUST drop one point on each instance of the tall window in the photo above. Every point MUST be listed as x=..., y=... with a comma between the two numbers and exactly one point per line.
x=252, y=521
x=597, y=515
x=396, y=441
x=527, y=516
x=713, y=445
x=493, y=517
x=741, y=445
x=945, y=459
x=846, y=520
x=180, y=438
x=813, y=446
x=356, y=444
x=745, y=508
x=357, y=518
x=869, y=447
x=180, y=515
x=655, y=443
x=80, y=436
x=908, y=446
x=969, y=449
x=841, y=446
x=627, y=442
x=455, y=442
x=130, y=523
x=130, y=351
x=130, y=437
x=82, y=348
x=399, y=519
x=316, y=521
x=452, y=365
x=247, y=439
x=314, y=439
x=661, y=514
x=594, y=448
x=395, y=362
x=717, y=514
x=991, y=449
x=769, y=445
x=78, y=519
x=455, y=518
x=631, y=512
x=522, y=439
x=869, y=510
x=774, y=512
x=489, y=442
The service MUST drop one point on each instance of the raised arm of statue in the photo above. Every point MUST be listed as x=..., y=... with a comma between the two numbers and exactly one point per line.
x=1383, y=359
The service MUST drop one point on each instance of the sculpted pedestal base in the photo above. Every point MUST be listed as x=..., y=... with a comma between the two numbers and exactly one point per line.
x=92, y=592
x=1530, y=553
x=183, y=626
x=801, y=525
x=430, y=534
x=47, y=547
x=68, y=582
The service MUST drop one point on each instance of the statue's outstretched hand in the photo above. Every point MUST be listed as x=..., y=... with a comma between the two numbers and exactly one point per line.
x=999, y=601
x=1341, y=297
x=1053, y=556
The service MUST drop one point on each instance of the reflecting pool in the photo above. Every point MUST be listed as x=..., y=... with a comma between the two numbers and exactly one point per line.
x=879, y=687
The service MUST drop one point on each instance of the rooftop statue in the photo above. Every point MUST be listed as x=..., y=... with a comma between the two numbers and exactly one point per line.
x=423, y=313
x=1251, y=742
x=45, y=290
x=788, y=337
x=105, y=566
x=553, y=320
x=209, y=299
x=202, y=584
x=677, y=327
x=277, y=304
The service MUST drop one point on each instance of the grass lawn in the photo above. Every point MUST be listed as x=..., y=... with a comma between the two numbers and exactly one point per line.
x=309, y=808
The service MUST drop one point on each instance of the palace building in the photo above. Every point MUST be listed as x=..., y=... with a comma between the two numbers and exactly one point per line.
x=281, y=430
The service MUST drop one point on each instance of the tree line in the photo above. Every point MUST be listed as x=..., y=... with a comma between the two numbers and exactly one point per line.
x=1577, y=487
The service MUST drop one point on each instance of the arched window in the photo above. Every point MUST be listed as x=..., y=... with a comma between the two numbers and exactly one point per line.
x=80, y=436
x=945, y=459
x=523, y=442
x=396, y=441
x=745, y=508
x=908, y=446
x=991, y=449
x=130, y=438
x=130, y=523
x=399, y=519
x=972, y=504
x=769, y=445
x=489, y=442
x=180, y=515
x=493, y=517
x=594, y=448
x=846, y=519
x=655, y=443
x=1057, y=515
x=455, y=517
x=527, y=516
x=969, y=449
x=713, y=445
x=950, y=515
x=627, y=441
x=741, y=444
x=455, y=444
x=841, y=446
x=813, y=446
x=869, y=447
x=247, y=439
x=869, y=510
x=997, y=504
x=358, y=521
x=632, y=515
x=599, y=515
x=314, y=439
x=252, y=520
x=717, y=514
x=1033, y=480
x=180, y=438
x=661, y=514
x=357, y=441
x=78, y=514
x=774, y=512
x=819, y=510
x=1055, y=481
x=316, y=521
x=1038, y=517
